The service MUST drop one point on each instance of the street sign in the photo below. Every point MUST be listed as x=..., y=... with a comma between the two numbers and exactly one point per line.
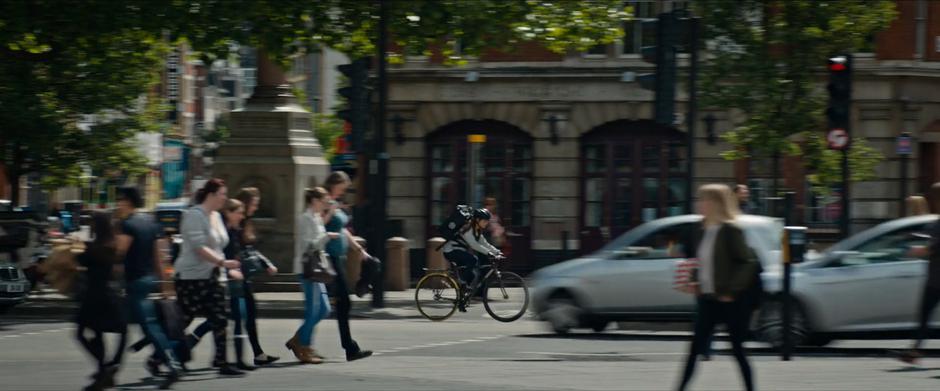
x=837, y=138
x=904, y=144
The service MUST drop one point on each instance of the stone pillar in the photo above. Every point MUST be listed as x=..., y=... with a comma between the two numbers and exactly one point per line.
x=435, y=258
x=354, y=263
x=272, y=147
x=398, y=265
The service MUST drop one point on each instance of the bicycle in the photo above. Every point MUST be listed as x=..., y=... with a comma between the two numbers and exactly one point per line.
x=438, y=295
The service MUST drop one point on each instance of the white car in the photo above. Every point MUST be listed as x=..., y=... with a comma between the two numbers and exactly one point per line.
x=632, y=277
x=864, y=285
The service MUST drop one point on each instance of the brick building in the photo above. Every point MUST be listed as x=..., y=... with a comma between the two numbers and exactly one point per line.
x=570, y=151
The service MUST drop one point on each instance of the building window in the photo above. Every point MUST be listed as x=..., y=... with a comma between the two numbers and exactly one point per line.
x=636, y=33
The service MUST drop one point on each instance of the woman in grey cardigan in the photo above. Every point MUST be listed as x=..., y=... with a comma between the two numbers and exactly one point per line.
x=199, y=280
x=310, y=233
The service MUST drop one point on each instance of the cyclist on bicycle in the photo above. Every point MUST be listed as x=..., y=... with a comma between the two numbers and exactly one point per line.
x=464, y=248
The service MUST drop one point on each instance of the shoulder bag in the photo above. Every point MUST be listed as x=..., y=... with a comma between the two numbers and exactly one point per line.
x=317, y=266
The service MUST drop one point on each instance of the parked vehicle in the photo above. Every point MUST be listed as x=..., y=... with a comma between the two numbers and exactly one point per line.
x=866, y=285
x=169, y=215
x=632, y=277
x=14, y=287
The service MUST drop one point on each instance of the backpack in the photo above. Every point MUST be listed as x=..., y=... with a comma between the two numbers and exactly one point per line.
x=450, y=229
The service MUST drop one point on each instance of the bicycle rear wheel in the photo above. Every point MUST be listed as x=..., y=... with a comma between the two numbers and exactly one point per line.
x=505, y=296
x=436, y=296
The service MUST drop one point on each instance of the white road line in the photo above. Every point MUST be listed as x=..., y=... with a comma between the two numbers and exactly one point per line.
x=608, y=354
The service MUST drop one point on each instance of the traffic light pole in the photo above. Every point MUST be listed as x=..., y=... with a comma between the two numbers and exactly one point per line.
x=379, y=193
x=844, y=223
x=693, y=111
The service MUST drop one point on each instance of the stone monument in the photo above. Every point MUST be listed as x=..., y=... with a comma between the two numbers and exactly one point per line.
x=272, y=147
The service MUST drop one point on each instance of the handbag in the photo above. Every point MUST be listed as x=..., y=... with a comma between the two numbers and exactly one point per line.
x=251, y=260
x=317, y=266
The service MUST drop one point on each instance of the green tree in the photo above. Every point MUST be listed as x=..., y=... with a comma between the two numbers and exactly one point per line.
x=766, y=59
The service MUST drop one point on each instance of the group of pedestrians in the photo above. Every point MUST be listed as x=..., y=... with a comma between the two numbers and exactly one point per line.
x=212, y=279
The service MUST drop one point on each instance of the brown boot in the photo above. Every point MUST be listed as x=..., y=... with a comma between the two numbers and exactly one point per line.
x=310, y=356
x=294, y=346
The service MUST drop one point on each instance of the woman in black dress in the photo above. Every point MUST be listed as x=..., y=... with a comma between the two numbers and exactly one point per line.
x=101, y=310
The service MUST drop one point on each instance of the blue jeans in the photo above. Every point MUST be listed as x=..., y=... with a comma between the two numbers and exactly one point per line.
x=316, y=307
x=142, y=312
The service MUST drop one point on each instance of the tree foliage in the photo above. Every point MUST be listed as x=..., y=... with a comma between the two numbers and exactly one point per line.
x=766, y=59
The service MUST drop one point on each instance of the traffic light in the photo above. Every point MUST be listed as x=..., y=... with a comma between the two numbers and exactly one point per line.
x=663, y=82
x=358, y=96
x=840, y=91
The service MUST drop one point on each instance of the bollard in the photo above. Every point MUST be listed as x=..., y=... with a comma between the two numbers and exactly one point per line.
x=435, y=257
x=354, y=263
x=795, y=247
x=397, y=265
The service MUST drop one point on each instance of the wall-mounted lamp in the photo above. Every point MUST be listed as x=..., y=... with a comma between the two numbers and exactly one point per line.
x=553, y=121
x=398, y=123
x=710, y=135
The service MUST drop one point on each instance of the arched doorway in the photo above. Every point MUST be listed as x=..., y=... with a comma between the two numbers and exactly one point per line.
x=505, y=167
x=632, y=172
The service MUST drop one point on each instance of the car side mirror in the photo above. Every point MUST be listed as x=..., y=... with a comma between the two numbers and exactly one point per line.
x=632, y=252
x=838, y=257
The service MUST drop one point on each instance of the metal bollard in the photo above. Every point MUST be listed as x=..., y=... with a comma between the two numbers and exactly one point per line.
x=795, y=245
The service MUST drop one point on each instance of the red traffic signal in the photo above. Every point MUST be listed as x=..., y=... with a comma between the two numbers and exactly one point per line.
x=838, y=63
x=837, y=67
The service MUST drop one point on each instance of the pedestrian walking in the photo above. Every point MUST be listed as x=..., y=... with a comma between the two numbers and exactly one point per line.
x=200, y=276
x=101, y=309
x=495, y=232
x=727, y=269
x=233, y=213
x=311, y=233
x=141, y=243
x=931, y=293
x=336, y=221
x=743, y=196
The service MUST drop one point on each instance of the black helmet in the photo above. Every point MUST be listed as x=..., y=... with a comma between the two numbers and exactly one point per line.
x=482, y=214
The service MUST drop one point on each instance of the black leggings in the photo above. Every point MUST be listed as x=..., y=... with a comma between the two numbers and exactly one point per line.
x=95, y=346
x=343, y=305
x=710, y=313
x=251, y=319
x=928, y=302
x=206, y=297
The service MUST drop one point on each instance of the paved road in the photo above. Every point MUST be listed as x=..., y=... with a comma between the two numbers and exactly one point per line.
x=469, y=352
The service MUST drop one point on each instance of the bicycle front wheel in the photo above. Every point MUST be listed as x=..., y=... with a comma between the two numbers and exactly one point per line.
x=505, y=296
x=436, y=296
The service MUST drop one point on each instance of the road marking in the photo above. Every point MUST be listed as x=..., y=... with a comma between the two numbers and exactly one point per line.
x=437, y=344
x=609, y=354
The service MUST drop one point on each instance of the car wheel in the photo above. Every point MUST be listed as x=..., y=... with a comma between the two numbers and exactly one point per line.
x=562, y=313
x=768, y=324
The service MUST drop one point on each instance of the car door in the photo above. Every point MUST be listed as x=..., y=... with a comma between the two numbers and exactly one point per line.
x=874, y=286
x=643, y=273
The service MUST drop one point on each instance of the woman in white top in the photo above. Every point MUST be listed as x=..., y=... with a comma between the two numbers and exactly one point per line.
x=310, y=233
x=725, y=277
x=200, y=266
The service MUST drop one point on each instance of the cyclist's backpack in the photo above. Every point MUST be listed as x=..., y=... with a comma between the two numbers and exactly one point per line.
x=450, y=229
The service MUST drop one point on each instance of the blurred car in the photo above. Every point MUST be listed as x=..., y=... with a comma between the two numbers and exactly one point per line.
x=864, y=285
x=632, y=277
x=14, y=287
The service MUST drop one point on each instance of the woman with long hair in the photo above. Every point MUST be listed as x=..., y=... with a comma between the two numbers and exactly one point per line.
x=101, y=310
x=311, y=233
x=250, y=197
x=727, y=269
x=336, y=221
x=199, y=281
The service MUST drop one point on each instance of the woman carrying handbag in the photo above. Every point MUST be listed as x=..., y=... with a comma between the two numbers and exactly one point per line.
x=311, y=239
x=723, y=280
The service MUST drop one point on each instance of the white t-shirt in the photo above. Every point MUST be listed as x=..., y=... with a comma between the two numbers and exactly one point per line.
x=706, y=259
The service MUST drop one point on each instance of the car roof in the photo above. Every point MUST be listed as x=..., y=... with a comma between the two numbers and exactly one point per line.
x=881, y=229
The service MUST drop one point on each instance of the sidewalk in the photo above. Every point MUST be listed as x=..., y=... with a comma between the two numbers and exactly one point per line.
x=398, y=305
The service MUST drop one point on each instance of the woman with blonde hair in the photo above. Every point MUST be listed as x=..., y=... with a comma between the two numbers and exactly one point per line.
x=727, y=269
x=917, y=206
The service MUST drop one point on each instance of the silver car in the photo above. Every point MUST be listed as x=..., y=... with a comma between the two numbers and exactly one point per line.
x=14, y=287
x=864, y=285
x=632, y=277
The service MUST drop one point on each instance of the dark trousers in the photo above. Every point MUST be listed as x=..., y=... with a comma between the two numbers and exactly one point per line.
x=247, y=314
x=928, y=302
x=710, y=313
x=469, y=263
x=95, y=347
x=206, y=297
x=343, y=305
